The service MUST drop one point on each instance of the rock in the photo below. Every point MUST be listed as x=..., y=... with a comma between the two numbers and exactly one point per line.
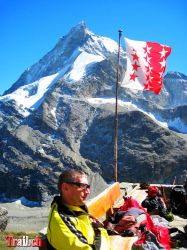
x=3, y=218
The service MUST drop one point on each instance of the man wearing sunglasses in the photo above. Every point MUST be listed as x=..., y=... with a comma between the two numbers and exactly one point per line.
x=70, y=227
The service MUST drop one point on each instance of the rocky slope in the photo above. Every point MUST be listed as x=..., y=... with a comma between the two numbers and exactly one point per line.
x=60, y=114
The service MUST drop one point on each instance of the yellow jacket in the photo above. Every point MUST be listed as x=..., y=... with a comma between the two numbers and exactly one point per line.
x=70, y=228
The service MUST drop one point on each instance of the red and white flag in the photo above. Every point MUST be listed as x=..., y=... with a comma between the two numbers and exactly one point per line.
x=146, y=64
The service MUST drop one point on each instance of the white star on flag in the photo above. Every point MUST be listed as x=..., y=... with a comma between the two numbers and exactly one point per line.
x=163, y=52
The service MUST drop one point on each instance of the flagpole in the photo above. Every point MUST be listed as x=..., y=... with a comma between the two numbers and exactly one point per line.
x=116, y=114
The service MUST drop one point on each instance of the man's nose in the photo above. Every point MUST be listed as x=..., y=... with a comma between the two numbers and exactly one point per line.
x=87, y=190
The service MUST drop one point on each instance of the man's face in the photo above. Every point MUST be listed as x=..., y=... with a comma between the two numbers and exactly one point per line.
x=74, y=193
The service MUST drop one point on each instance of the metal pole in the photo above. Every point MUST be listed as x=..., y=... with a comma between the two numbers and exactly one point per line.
x=116, y=115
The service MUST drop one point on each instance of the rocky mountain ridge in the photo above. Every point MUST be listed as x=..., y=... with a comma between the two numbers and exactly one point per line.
x=60, y=114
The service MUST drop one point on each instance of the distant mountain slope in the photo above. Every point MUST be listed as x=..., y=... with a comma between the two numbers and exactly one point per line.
x=60, y=114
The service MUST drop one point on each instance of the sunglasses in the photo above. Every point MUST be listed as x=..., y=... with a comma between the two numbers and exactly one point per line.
x=78, y=184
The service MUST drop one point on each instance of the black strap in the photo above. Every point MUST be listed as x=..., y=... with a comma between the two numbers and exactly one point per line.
x=97, y=240
x=66, y=212
x=73, y=229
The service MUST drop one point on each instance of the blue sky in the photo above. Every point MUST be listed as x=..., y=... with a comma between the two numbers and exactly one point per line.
x=30, y=28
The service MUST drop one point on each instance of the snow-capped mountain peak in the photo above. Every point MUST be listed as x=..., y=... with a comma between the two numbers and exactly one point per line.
x=70, y=96
x=70, y=58
x=65, y=52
